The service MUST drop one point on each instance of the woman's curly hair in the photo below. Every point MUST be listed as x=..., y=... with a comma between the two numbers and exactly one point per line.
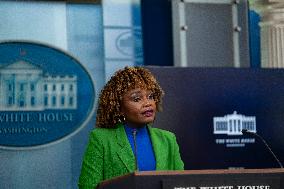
x=109, y=104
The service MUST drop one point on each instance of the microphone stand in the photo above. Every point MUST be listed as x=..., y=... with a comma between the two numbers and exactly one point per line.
x=245, y=131
x=134, y=132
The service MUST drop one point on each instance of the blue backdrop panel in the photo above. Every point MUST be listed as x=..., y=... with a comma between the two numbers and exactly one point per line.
x=194, y=96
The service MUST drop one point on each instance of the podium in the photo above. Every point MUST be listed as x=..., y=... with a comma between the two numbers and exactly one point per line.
x=199, y=179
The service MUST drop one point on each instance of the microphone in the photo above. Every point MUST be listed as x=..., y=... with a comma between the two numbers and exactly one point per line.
x=245, y=131
x=134, y=132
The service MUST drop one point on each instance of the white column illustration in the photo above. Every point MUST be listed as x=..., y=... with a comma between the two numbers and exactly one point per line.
x=232, y=124
x=33, y=91
x=272, y=32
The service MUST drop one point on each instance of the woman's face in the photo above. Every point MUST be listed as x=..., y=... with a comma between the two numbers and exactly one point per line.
x=139, y=107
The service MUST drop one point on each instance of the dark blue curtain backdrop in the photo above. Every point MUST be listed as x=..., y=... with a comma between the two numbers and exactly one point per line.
x=254, y=33
x=156, y=18
x=194, y=96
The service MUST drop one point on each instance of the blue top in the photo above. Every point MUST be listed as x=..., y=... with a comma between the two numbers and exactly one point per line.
x=145, y=153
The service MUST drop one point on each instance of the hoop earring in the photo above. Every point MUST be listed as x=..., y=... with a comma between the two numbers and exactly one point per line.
x=121, y=119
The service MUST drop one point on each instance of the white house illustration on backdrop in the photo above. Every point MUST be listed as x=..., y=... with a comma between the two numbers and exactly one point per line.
x=232, y=124
x=25, y=87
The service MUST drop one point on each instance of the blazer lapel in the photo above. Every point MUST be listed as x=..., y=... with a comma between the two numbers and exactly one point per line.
x=124, y=151
x=158, y=149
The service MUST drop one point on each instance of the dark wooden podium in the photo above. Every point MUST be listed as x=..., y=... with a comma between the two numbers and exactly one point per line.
x=199, y=179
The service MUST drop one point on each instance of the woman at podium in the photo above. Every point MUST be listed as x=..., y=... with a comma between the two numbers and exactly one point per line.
x=124, y=140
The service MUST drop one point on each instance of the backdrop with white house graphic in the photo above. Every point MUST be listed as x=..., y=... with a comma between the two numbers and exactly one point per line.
x=40, y=100
x=207, y=108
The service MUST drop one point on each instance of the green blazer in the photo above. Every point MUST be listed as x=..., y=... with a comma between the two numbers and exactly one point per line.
x=109, y=154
